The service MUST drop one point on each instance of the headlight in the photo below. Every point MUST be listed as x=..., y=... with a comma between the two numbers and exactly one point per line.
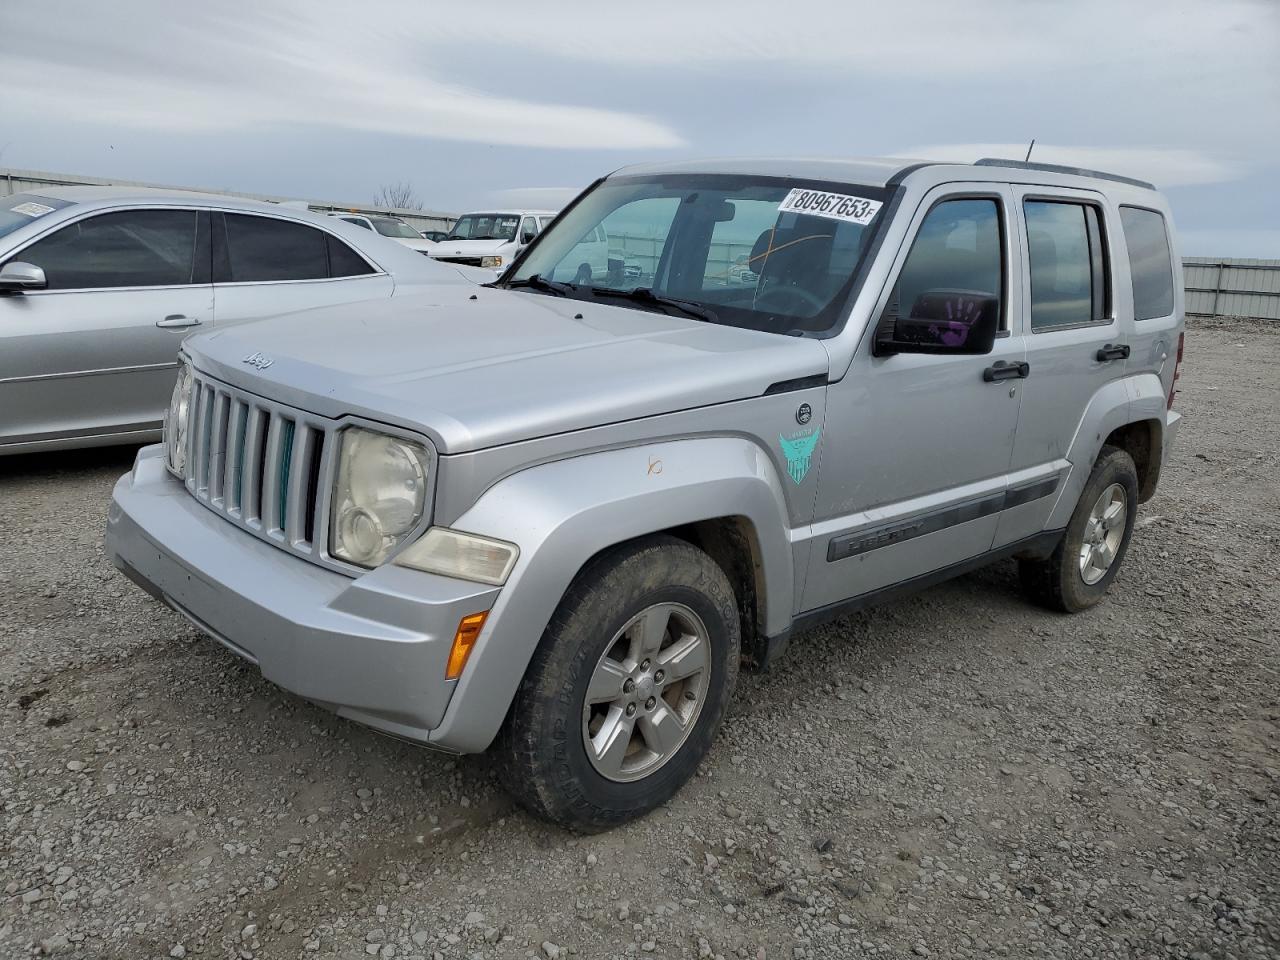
x=175, y=423
x=379, y=495
x=466, y=556
x=493, y=263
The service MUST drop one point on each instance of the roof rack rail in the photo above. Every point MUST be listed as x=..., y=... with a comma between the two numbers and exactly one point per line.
x=1059, y=168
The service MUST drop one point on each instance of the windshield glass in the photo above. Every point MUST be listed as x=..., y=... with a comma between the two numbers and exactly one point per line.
x=768, y=253
x=22, y=208
x=394, y=228
x=485, y=226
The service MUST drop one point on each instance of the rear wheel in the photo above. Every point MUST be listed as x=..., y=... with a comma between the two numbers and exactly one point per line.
x=1079, y=571
x=627, y=688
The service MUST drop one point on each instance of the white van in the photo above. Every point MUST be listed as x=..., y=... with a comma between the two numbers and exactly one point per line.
x=490, y=239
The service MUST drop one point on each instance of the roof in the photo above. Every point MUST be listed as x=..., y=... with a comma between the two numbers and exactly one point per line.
x=515, y=212
x=873, y=171
x=98, y=193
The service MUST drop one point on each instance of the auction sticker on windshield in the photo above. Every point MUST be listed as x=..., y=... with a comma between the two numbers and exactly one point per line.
x=833, y=206
x=32, y=209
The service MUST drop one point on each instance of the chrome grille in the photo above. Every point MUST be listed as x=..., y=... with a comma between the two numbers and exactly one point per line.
x=262, y=465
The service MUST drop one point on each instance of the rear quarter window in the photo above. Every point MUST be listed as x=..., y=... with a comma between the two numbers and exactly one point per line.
x=1150, y=262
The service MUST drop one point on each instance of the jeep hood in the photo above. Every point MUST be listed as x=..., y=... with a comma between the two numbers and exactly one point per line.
x=478, y=367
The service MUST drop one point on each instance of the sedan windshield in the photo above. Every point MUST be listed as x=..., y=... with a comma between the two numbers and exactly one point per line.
x=22, y=208
x=394, y=228
x=768, y=253
x=485, y=226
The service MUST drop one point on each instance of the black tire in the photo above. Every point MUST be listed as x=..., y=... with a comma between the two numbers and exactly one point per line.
x=541, y=750
x=1057, y=581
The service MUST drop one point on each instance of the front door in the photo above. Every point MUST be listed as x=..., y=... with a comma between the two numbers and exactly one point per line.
x=916, y=447
x=94, y=353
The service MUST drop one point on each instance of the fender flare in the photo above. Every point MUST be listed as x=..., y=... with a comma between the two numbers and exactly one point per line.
x=1117, y=404
x=563, y=513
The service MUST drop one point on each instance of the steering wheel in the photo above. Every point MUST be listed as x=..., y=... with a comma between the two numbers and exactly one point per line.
x=792, y=293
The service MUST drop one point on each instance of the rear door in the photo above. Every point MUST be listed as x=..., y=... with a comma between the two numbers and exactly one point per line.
x=1077, y=336
x=265, y=266
x=94, y=353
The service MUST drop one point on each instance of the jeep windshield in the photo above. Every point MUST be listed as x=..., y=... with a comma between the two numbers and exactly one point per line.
x=768, y=253
x=485, y=226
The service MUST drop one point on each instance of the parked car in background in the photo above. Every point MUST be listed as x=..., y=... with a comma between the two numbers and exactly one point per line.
x=557, y=517
x=491, y=240
x=98, y=286
x=392, y=227
x=588, y=259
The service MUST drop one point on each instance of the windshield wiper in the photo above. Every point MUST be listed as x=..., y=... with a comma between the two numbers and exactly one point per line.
x=644, y=295
x=538, y=282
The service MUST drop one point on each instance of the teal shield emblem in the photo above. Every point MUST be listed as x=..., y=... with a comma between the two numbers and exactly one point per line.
x=799, y=452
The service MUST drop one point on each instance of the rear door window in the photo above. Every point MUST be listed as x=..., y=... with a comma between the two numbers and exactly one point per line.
x=1150, y=262
x=129, y=248
x=1067, y=258
x=264, y=249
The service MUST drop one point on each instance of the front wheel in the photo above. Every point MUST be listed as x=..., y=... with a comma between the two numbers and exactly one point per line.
x=627, y=688
x=1079, y=571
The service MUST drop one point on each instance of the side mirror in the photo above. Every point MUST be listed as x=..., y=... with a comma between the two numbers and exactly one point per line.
x=943, y=321
x=16, y=276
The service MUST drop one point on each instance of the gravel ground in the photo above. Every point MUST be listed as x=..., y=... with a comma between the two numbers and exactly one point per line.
x=958, y=774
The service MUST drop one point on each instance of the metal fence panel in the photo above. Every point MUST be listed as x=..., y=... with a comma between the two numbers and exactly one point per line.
x=1232, y=287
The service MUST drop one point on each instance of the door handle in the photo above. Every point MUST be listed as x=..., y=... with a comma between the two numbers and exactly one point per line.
x=1112, y=351
x=1007, y=370
x=178, y=320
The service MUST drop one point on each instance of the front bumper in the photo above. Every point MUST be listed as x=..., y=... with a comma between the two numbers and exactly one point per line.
x=373, y=649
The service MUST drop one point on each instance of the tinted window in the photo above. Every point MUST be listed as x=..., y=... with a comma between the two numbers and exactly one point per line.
x=358, y=221
x=262, y=248
x=1068, y=265
x=957, y=249
x=132, y=248
x=528, y=229
x=1150, y=262
x=345, y=262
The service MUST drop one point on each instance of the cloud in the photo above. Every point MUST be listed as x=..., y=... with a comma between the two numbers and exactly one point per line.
x=1164, y=166
x=537, y=198
x=297, y=64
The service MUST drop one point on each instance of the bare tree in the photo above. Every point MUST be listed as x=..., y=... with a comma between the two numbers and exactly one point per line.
x=399, y=195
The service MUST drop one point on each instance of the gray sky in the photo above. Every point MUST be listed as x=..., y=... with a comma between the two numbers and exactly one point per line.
x=481, y=103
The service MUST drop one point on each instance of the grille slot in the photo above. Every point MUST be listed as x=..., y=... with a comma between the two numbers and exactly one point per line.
x=260, y=464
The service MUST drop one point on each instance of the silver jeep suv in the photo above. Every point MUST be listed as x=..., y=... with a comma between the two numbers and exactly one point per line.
x=555, y=514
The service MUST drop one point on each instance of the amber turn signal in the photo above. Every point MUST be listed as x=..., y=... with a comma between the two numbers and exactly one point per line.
x=468, y=630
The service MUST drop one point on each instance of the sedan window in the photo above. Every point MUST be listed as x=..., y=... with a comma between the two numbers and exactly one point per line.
x=131, y=248
x=262, y=249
